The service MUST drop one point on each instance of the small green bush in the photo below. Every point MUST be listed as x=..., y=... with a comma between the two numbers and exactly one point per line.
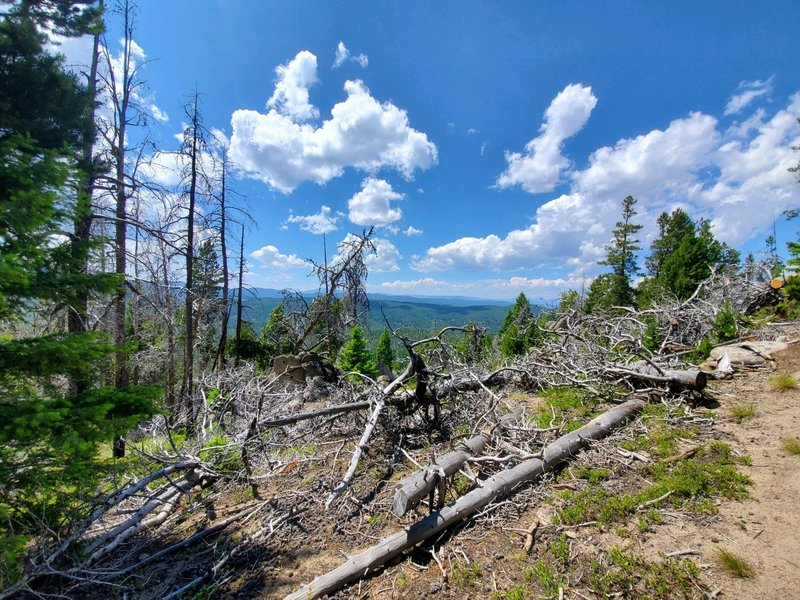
x=220, y=453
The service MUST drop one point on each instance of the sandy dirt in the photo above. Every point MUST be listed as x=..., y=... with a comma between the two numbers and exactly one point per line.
x=765, y=528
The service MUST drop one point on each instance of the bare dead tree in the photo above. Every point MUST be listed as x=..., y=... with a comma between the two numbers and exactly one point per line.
x=122, y=82
x=346, y=276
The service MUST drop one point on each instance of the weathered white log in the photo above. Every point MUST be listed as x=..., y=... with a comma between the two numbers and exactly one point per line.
x=692, y=379
x=493, y=488
x=166, y=501
x=411, y=490
x=362, y=443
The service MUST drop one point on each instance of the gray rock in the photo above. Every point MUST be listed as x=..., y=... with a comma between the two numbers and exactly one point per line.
x=749, y=354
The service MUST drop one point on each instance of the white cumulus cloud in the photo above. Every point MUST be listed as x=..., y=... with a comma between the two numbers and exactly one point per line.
x=498, y=288
x=738, y=178
x=271, y=258
x=540, y=168
x=372, y=205
x=747, y=92
x=385, y=257
x=412, y=231
x=561, y=229
x=362, y=133
x=318, y=224
x=290, y=97
x=656, y=163
x=754, y=185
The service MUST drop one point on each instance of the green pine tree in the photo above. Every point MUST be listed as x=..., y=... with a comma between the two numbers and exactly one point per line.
x=276, y=337
x=682, y=256
x=519, y=331
x=54, y=411
x=384, y=355
x=621, y=257
x=355, y=356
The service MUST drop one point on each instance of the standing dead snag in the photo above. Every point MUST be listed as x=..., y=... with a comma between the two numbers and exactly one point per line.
x=345, y=276
x=495, y=487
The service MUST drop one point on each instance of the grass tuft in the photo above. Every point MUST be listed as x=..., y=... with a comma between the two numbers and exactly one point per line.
x=734, y=564
x=782, y=382
x=742, y=412
x=791, y=445
x=467, y=576
x=623, y=573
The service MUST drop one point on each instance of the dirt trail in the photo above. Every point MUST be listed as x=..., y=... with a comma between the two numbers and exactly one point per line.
x=765, y=528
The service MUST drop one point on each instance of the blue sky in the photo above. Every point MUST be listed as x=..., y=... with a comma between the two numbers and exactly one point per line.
x=490, y=143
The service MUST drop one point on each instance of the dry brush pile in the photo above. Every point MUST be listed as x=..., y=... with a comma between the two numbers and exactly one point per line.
x=300, y=468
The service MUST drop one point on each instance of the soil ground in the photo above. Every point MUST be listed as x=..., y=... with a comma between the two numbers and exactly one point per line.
x=485, y=558
x=763, y=529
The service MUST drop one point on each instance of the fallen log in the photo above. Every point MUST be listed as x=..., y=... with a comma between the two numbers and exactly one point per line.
x=493, y=488
x=692, y=379
x=410, y=491
x=321, y=412
x=163, y=501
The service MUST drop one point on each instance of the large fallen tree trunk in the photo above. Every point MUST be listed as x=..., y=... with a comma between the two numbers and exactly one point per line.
x=693, y=379
x=411, y=490
x=493, y=488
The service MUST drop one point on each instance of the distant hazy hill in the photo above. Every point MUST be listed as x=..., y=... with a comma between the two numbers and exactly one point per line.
x=416, y=313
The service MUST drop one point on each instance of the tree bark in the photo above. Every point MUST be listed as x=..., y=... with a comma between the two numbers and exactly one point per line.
x=692, y=379
x=78, y=314
x=493, y=488
x=223, y=243
x=121, y=94
x=411, y=490
x=238, y=338
x=187, y=391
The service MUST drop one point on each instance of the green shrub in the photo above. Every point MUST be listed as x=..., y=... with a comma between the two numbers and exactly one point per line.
x=221, y=454
x=724, y=324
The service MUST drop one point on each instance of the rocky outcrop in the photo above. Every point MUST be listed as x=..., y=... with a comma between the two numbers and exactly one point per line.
x=747, y=354
x=306, y=367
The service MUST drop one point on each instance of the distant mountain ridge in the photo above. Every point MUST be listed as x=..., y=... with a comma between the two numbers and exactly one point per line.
x=410, y=313
x=443, y=300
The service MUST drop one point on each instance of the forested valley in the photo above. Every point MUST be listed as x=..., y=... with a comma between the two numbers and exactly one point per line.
x=147, y=419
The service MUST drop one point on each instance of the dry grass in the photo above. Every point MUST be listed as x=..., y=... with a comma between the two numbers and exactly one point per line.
x=782, y=382
x=791, y=445
x=734, y=564
x=742, y=412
